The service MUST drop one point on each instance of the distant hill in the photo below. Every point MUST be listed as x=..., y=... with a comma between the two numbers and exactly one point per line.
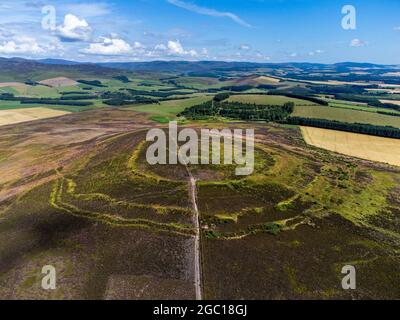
x=58, y=61
x=206, y=66
x=182, y=66
x=17, y=69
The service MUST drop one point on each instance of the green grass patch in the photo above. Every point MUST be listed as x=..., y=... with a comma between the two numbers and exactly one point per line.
x=160, y=119
x=346, y=115
x=169, y=109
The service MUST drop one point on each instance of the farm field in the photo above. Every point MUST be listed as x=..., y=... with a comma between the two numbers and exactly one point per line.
x=359, y=107
x=59, y=82
x=169, y=109
x=396, y=102
x=362, y=146
x=346, y=115
x=30, y=91
x=12, y=105
x=27, y=114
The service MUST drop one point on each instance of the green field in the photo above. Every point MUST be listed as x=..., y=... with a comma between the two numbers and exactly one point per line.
x=355, y=105
x=169, y=109
x=361, y=108
x=267, y=99
x=346, y=115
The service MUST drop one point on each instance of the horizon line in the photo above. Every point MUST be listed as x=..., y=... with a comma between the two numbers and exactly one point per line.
x=194, y=61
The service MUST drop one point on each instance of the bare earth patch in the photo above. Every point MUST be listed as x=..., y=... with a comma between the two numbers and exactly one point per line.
x=58, y=82
x=362, y=146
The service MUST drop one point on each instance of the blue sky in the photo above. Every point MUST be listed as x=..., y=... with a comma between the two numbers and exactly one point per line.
x=231, y=30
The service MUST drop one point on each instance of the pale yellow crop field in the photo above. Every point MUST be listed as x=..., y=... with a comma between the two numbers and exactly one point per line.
x=267, y=80
x=27, y=114
x=362, y=146
x=396, y=102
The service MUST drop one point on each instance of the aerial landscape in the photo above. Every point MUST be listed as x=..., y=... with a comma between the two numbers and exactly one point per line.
x=79, y=196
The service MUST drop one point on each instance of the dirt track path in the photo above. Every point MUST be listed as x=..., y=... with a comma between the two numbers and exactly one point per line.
x=197, y=253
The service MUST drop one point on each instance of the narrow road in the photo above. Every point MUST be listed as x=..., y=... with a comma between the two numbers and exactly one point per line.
x=197, y=256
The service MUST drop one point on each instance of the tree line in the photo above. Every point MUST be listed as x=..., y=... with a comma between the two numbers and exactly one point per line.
x=238, y=110
x=65, y=101
x=381, y=131
x=94, y=83
x=119, y=98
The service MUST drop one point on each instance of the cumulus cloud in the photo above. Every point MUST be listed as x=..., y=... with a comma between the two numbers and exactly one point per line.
x=175, y=48
x=356, y=43
x=74, y=29
x=209, y=12
x=138, y=45
x=22, y=44
x=109, y=46
x=160, y=47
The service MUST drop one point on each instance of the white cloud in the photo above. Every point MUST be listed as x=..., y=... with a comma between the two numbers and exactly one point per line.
x=109, y=46
x=74, y=29
x=22, y=44
x=160, y=47
x=193, y=53
x=138, y=45
x=396, y=28
x=260, y=56
x=358, y=43
x=293, y=55
x=209, y=12
x=175, y=48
